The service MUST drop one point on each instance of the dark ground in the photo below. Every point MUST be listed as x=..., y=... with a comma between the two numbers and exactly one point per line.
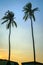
x=32, y=63
x=6, y=62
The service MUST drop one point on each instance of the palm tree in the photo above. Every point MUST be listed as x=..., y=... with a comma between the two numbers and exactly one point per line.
x=9, y=19
x=29, y=13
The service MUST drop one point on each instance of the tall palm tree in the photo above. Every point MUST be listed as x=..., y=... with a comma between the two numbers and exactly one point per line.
x=29, y=13
x=9, y=19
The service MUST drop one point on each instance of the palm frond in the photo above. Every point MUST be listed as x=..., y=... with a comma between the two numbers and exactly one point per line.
x=15, y=23
x=4, y=21
x=35, y=9
x=8, y=25
x=12, y=23
x=33, y=17
x=25, y=17
x=29, y=5
x=25, y=8
x=5, y=17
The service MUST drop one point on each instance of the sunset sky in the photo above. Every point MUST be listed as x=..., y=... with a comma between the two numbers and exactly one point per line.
x=21, y=39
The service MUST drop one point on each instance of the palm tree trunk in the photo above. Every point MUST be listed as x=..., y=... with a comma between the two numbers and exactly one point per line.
x=9, y=43
x=33, y=40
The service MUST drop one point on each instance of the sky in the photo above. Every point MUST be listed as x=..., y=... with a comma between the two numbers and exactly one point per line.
x=21, y=39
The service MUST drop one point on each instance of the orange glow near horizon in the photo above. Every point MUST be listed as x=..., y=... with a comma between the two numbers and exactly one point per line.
x=3, y=54
x=17, y=56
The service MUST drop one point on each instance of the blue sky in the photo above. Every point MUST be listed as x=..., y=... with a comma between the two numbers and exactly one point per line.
x=21, y=36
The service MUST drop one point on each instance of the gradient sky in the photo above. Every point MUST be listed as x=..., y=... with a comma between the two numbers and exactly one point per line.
x=21, y=40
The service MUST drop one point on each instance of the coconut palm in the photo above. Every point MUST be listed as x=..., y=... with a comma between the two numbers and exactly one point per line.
x=9, y=19
x=29, y=13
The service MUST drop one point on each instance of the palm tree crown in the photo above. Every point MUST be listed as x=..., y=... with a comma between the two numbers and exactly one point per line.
x=29, y=12
x=9, y=18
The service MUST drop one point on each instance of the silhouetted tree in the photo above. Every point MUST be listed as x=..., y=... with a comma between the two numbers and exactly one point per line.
x=9, y=19
x=29, y=13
